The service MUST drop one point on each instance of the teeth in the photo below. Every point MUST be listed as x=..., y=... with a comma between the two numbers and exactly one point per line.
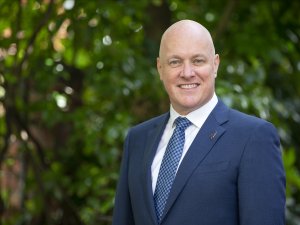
x=187, y=86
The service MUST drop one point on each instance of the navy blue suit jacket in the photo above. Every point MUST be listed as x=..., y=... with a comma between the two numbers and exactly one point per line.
x=232, y=174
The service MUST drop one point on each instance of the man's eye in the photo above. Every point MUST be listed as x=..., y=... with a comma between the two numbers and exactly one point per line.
x=198, y=61
x=174, y=63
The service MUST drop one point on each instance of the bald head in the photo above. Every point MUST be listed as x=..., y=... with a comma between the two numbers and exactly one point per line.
x=182, y=31
x=187, y=65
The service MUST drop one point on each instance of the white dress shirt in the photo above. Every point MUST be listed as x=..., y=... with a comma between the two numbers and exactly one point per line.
x=197, y=118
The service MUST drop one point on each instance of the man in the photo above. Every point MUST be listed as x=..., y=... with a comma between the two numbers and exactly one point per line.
x=227, y=167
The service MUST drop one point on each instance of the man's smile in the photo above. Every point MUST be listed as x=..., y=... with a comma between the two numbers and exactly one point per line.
x=188, y=86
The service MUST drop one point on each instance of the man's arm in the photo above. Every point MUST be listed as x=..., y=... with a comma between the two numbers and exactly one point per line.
x=261, y=181
x=122, y=210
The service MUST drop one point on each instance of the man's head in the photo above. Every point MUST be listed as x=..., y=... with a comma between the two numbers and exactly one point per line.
x=187, y=65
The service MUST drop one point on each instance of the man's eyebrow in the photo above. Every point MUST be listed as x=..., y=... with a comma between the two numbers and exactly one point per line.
x=199, y=55
x=174, y=56
x=194, y=56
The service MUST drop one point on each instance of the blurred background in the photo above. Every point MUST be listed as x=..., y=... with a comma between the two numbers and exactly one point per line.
x=75, y=75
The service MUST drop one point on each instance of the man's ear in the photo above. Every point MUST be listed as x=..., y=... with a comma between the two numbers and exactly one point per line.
x=159, y=67
x=216, y=64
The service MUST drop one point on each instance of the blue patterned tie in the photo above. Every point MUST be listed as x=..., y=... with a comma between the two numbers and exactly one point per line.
x=169, y=165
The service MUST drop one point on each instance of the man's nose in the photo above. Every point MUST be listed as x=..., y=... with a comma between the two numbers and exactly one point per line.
x=187, y=70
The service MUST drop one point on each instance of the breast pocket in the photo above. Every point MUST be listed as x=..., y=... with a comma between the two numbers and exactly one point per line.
x=213, y=167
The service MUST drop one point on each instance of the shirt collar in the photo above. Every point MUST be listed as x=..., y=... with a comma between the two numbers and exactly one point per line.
x=196, y=116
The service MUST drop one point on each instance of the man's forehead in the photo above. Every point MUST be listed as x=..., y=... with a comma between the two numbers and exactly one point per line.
x=181, y=33
x=186, y=48
x=185, y=27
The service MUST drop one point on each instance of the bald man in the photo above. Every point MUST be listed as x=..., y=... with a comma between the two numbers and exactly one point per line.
x=201, y=163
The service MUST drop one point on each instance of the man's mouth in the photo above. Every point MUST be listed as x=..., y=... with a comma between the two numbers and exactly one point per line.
x=188, y=86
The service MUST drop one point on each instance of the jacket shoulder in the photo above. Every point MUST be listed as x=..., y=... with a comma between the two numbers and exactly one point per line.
x=155, y=121
x=242, y=121
x=238, y=118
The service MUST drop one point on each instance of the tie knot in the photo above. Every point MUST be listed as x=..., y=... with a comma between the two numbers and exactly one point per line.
x=182, y=122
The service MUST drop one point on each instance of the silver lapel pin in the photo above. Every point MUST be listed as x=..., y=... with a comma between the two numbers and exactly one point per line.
x=213, y=135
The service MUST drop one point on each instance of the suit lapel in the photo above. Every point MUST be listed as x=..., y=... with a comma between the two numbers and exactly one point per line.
x=203, y=143
x=153, y=138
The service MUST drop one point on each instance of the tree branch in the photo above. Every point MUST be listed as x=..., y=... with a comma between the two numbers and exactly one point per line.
x=34, y=35
x=6, y=137
x=23, y=126
x=224, y=21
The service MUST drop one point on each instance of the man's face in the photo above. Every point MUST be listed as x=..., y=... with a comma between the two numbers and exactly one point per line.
x=187, y=67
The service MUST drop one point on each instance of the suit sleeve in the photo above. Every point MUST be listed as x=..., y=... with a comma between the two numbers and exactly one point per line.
x=122, y=214
x=261, y=179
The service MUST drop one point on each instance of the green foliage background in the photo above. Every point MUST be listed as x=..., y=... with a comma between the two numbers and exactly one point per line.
x=75, y=75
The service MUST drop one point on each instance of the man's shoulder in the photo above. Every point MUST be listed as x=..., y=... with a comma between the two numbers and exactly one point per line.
x=152, y=122
x=244, y=120
x=241, y=122
x=246, y=117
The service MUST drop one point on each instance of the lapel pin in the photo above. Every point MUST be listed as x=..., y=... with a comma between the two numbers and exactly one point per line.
x=213, y=135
